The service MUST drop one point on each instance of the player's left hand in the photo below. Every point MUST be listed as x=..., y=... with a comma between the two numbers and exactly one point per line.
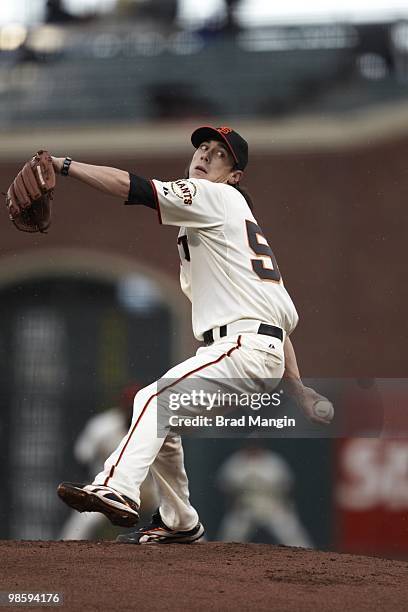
x=29, y=197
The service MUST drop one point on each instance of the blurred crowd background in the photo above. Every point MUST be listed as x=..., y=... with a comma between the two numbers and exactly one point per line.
x=321, y=94
x=165, y=59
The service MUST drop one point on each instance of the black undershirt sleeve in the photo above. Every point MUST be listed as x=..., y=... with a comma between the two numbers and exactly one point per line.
x=141, y=192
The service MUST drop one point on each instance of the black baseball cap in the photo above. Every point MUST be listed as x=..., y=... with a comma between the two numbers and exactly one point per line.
x=235, y=143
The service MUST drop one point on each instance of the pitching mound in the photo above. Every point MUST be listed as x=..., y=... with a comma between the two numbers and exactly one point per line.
x=214, y=576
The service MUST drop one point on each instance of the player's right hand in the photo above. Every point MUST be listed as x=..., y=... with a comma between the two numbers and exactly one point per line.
x=308, y=401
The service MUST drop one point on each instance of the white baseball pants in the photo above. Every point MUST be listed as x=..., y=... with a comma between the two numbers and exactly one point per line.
x=248, y=359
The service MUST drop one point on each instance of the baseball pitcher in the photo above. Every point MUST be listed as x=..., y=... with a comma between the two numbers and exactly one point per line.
x=241, y=312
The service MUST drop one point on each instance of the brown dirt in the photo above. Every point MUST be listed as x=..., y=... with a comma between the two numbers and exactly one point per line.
x=108, y=576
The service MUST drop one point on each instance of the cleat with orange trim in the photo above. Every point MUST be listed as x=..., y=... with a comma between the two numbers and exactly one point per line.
x=158, y=533
x=118, y=508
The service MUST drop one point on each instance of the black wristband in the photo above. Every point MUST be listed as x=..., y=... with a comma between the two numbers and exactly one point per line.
x=65, y=166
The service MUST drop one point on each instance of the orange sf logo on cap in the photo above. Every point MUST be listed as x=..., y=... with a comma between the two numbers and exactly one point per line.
x=224, y=130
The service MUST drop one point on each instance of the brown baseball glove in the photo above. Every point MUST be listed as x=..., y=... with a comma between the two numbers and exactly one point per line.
x=30, y=195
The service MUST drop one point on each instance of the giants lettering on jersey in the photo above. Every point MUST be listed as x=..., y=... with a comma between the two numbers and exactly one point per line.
x=185, y=190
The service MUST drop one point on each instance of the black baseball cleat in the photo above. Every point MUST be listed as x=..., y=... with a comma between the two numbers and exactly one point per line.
x=118, y=508
x=158, y=533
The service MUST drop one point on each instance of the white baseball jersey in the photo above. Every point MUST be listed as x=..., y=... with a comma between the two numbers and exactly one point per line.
x=228, y=270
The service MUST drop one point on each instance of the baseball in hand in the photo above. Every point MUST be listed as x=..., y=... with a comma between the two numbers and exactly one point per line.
x=323, y=409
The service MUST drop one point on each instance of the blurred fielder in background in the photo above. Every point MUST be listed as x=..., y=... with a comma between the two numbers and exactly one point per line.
x=99, y=438
x=259, y=485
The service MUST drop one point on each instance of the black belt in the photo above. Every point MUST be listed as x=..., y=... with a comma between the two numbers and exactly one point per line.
x=264, y=329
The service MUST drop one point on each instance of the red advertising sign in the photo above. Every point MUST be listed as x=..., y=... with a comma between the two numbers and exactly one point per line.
x=371, y=495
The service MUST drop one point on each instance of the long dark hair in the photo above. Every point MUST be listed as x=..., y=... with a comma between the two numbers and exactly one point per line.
x=242, y=190
x=245, y=195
